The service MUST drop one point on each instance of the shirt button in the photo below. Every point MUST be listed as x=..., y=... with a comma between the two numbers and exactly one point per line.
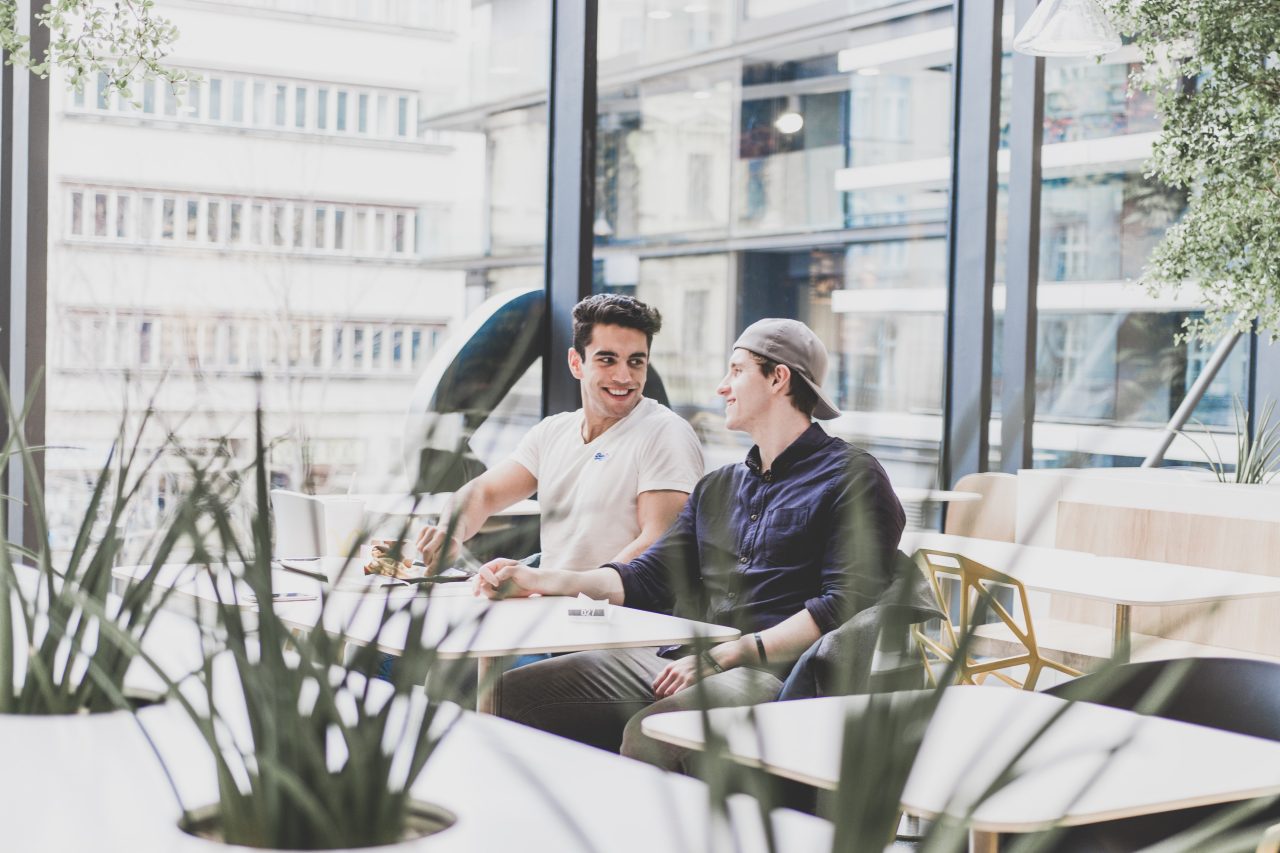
x=754, y=516
x=742, y=559
x=731, y=595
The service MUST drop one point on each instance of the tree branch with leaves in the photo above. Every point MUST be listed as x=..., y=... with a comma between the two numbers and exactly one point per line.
x=1213, y=67
x=126, y=40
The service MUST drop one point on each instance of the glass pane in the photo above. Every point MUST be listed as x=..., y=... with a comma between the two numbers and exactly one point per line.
x=762, y=184
x=1109, y=369
x=246, y=269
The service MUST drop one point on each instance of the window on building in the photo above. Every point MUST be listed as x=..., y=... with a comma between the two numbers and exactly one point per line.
x=215, y=99
x=213, y=214
x=122, y=217
x=237, y=101
x=300, y=106
x=282, y=105
x=77, y=213
x=340, y=113
x=168, y=213
x=322, y=109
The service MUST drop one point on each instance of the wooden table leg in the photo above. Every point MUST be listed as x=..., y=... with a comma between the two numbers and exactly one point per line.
x=1121, y=634
x=489, y=684
x=983, y=842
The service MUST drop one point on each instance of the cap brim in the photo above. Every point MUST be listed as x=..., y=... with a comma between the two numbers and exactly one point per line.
x=826, y=408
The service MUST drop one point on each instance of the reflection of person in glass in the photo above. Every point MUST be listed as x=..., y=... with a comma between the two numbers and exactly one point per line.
x=784, y=546
x=611, y=476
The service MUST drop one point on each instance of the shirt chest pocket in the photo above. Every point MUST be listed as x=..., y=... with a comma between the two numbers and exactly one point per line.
x=786, y=536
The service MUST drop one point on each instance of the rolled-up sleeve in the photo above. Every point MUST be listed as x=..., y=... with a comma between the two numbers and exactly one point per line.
x=867, y=523
x=648, y=582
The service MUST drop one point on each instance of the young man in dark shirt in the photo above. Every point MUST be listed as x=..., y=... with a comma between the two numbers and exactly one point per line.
x=784, y=546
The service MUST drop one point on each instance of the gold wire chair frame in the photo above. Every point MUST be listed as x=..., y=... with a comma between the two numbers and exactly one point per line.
x=975, y=580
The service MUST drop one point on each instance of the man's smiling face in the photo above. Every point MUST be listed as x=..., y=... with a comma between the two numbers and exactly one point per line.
x=612, y=372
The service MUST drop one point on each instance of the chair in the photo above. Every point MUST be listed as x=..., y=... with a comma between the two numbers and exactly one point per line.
x=977, y=600
x=869, y=653
x=1232, y=694
x=994, y=516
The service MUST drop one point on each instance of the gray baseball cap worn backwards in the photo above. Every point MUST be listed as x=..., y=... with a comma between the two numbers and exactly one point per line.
x=794, y=344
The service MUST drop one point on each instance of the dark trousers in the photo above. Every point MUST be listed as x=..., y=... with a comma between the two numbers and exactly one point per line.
x=600, y=698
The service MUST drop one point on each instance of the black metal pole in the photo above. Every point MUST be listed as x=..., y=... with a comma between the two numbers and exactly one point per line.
x=971, y=238
x=24, y=222
x=1018, y=366
x=571, y=172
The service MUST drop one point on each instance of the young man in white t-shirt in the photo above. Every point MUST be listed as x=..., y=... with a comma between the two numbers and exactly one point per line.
x=610, y=477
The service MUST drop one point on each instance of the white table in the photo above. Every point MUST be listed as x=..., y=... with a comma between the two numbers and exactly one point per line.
x=1068, y=776
x=93, y=784
x=458, y=624
x=1119, y=581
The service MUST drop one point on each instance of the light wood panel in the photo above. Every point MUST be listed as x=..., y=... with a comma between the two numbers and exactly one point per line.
x=994, y=516
x=1217, y=542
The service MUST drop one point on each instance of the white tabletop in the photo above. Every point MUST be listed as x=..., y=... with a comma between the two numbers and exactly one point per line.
x=461, y=625
x=1069, y=775
x=1116, y=580
x=458, y=623
x=93, y=784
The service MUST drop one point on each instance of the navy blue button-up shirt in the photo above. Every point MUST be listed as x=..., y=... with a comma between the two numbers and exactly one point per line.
x=817, y=532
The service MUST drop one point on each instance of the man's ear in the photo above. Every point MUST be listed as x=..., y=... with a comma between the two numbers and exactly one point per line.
x=575, y=363
x=781, y=378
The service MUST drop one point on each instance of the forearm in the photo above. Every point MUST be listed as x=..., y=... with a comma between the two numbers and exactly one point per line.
x=600, y=584
x=467, y=512
x=784, y=642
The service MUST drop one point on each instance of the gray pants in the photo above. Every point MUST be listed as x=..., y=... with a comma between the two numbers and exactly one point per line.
x=600, y=697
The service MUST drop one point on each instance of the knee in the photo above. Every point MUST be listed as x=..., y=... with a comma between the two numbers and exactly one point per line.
x=638, y=745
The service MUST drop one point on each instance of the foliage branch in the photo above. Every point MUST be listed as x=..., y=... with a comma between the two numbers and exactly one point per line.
x=1213, y=67
x=125, y=40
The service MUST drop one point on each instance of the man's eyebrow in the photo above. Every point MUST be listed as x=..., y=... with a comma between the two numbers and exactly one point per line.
x=639, y=355
x=604, y=353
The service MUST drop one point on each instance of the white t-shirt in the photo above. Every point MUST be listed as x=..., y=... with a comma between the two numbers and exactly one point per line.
x=588, y=492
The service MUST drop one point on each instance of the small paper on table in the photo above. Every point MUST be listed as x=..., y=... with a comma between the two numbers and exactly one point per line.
x=587, y=609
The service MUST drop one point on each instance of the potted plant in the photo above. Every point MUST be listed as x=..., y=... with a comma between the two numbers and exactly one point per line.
x=312, y=751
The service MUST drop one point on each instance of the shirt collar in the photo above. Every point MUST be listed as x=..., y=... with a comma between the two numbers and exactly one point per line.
x=808, y=441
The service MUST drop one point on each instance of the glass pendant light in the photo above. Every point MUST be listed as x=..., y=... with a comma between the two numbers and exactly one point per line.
x=1067, y=28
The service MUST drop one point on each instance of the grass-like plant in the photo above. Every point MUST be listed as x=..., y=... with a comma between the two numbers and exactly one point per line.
x=1257, y=450
x=312, y=750
x=55, y=657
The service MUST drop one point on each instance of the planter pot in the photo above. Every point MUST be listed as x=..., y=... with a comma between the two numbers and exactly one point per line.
x=423, y=821
x=66, y=773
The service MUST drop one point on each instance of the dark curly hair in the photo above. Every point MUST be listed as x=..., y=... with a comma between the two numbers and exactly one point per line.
x=613, y=309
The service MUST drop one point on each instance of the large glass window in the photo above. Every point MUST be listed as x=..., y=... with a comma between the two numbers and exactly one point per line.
x=268, y=223
x=1110, y=369
x=805, y=180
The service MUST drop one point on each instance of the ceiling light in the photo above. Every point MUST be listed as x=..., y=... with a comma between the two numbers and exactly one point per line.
x=659, y=14
x=869, y=72
x=701, y=95
x=789, y=122
x=1067, y=28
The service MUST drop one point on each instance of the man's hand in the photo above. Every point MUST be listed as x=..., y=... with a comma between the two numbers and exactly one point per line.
x=504, y=578
x=435, y=546
x=678, y=675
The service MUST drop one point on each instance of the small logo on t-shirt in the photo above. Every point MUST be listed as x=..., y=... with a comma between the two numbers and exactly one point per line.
x=600, y=456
